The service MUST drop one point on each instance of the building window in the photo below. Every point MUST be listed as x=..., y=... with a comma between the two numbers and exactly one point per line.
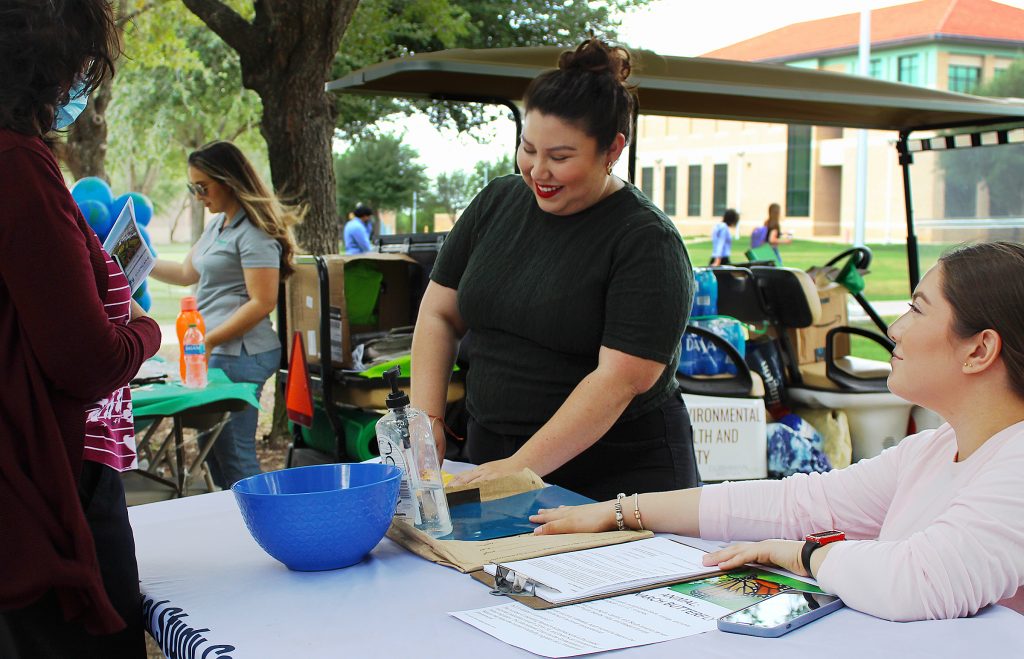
x=670, y=191
x=875, y=67
x=647, y=181
x=907, y=67
x=721, y=189
x=798, y=171
x=693, y=192
x=961, y=197
x=963, y=78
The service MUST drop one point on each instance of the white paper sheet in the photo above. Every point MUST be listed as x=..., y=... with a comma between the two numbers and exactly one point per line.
x=572, y=575
x=643, y=618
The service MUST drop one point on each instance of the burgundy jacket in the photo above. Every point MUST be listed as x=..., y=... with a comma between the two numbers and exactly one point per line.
x=58, y=352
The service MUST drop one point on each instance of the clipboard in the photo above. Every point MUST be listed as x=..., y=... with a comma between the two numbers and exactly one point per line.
x=525, y=595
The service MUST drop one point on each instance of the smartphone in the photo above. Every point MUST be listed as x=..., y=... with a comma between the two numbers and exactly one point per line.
x=780, y=613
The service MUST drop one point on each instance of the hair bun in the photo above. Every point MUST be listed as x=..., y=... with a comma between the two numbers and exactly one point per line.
x=596, y=56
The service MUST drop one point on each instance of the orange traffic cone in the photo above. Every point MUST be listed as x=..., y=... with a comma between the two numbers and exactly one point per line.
x=298, y=396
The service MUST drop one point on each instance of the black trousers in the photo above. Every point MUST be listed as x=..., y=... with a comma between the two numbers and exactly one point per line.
x=39, y=630
x=652, y=453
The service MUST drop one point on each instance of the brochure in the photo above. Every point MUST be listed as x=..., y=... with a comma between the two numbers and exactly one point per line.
x=125, y=245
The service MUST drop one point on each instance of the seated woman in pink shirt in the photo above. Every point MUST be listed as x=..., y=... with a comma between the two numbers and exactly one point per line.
x=935, y=525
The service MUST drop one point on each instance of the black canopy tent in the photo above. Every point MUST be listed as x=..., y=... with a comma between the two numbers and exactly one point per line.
x=709, y=88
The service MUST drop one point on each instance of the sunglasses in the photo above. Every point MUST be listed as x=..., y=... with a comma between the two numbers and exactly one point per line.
x=197, y=189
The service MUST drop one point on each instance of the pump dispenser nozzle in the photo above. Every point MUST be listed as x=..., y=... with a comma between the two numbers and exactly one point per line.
x=397, y=398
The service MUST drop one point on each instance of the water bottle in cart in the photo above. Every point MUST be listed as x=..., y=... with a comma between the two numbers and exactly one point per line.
x=194, y=347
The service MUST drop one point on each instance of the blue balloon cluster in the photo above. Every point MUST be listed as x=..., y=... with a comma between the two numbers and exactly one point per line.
x=100, y=209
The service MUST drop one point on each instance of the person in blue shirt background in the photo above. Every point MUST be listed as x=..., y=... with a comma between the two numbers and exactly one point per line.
x=721, y=238
x=357, y=231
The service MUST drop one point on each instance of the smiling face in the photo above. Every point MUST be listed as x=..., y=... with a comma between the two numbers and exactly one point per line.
x=218, y=197
x=562, y=164
x=928, y=359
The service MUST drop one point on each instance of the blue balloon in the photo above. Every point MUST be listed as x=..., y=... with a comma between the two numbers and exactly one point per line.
x=149, y=241
x=98, y=217
x=92, y=188
x=143, y=207
x=144, y=300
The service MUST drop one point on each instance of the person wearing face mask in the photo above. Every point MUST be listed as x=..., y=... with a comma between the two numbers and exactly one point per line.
x=72, y=340
x=576, y=290
x=238, y=262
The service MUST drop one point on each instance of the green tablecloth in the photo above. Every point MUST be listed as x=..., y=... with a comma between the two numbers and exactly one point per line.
x=166, y=399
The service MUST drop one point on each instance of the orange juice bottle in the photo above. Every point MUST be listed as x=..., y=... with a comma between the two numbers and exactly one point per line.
x=189, y=315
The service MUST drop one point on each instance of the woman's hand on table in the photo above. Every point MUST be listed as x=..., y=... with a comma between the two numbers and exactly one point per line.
x=588, y=518
x=783, y=553
x=489, y=471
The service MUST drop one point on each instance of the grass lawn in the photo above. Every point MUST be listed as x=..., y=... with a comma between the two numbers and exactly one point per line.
x=887, y=279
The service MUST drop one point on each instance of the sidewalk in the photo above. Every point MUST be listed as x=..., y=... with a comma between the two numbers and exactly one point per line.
x=883, y=308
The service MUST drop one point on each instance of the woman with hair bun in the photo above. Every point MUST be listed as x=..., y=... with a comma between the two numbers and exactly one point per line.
x=576, y=290
x=239, y=261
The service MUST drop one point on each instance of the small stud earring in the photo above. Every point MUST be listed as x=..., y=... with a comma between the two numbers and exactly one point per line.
x=967, y=364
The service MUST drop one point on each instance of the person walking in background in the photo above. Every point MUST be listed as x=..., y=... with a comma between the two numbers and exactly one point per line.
x=770, y=233
x=721, y=238
x=239, y=261
x=576, y=290
x=72, y=339
x=357, y=231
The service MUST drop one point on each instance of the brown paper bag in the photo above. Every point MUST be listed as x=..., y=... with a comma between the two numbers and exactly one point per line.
x=468, y=556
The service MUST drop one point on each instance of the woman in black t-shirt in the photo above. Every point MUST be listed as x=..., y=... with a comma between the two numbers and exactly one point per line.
x=577, y=290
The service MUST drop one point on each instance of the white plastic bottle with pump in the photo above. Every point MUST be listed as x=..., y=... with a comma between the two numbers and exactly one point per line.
x=405, y=440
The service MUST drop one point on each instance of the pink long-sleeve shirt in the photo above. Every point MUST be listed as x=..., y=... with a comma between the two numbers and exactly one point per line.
x=928, y=537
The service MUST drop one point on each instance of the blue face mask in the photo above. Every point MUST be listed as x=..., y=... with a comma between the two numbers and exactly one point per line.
x=66, y=114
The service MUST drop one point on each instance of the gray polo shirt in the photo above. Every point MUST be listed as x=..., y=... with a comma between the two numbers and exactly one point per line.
x=219, y=257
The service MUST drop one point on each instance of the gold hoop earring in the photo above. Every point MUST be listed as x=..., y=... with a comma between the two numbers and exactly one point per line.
x=610, y=165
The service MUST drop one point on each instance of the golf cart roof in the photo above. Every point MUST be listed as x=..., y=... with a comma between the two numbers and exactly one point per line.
x=693, y=87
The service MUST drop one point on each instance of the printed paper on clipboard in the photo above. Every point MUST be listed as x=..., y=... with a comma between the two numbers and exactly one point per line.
x=600, y=572
x=125, y=245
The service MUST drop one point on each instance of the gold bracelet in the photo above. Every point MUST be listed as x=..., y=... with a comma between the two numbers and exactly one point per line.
x=618, y=511
x=636, y=510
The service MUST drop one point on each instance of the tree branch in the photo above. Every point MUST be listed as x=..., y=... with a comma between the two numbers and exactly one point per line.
x=227, y=24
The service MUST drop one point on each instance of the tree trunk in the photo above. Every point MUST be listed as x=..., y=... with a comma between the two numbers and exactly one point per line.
x=298, y=132
x=85, y=151
x=285, y=56
x=198, y=214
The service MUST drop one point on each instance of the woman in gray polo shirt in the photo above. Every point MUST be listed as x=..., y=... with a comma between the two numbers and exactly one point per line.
x=237, y=263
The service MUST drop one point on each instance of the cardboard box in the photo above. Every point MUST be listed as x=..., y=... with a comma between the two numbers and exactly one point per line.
x=302, y=291
x=809, y=342
x=730, y=437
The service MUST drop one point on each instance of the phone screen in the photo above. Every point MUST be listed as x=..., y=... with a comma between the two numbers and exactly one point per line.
x=780, y=609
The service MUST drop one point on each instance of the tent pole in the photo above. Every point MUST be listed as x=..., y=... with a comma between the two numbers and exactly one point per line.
x=913, y=262
x=491, y=100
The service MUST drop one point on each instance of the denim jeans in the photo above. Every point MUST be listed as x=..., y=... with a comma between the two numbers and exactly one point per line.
x=234, y=454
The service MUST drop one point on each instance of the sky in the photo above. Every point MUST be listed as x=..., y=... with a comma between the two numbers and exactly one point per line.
x=671, y=27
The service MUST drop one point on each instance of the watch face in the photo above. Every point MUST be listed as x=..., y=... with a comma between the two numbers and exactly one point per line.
x=825, y=537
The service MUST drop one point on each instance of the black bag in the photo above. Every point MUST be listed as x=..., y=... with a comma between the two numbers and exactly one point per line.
x=764, y=358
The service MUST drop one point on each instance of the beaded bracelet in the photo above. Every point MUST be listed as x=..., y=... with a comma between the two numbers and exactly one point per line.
x=618, y=511
x=636, y=510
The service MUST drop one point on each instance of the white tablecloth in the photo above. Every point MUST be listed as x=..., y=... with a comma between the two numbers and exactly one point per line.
x=210, y=591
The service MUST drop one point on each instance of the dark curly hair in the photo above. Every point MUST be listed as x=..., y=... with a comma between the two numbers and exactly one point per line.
x=589, y=90
x=45, y=46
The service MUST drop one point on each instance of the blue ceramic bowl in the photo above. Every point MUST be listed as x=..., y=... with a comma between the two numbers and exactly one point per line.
x=321, y=517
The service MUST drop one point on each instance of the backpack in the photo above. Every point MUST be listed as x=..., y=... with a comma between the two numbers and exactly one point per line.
x=758, y=237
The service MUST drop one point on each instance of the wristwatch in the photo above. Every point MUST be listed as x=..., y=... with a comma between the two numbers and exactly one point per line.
x=816, y=540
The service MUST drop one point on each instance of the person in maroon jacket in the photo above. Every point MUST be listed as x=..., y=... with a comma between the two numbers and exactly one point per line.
x=68, y=575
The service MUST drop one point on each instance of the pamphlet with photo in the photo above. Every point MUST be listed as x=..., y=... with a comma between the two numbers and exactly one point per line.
x=125, y=245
